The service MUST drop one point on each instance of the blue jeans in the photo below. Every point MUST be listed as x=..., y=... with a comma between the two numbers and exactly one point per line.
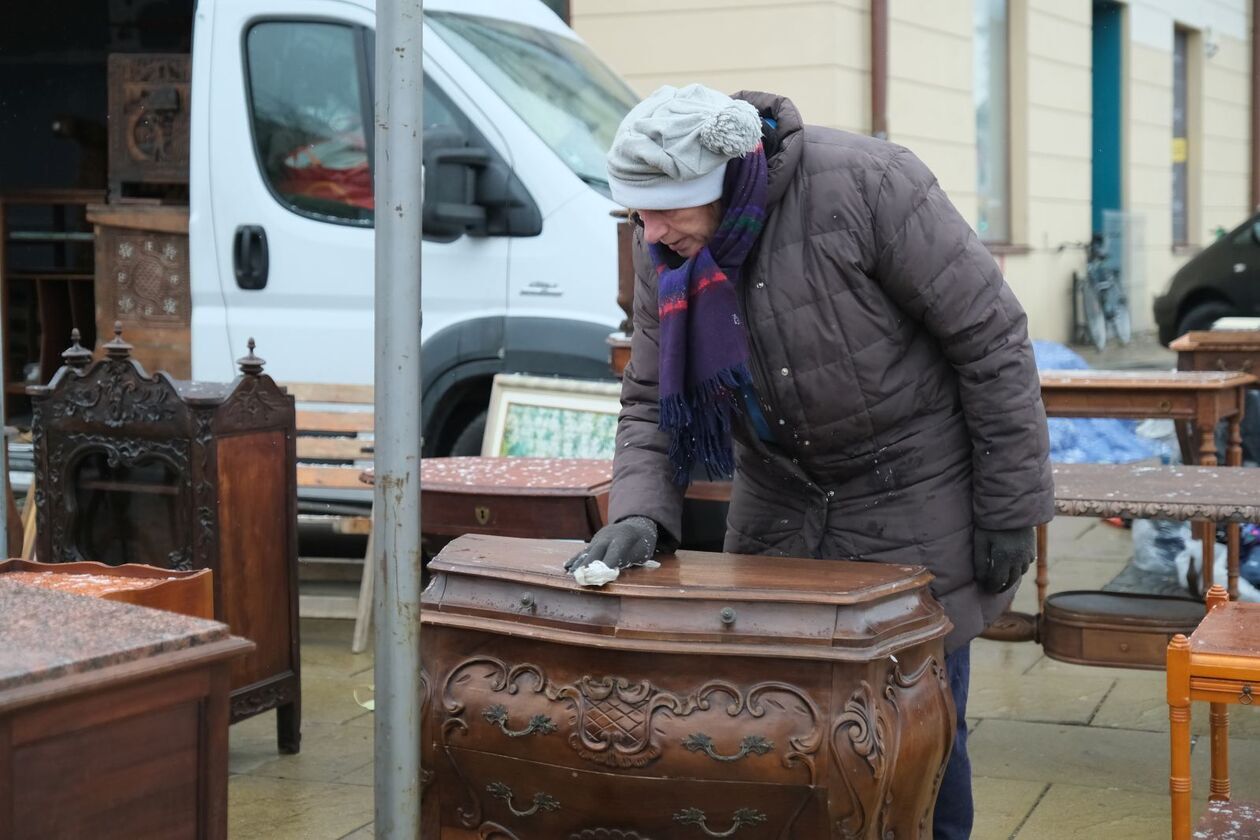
x=954, y=811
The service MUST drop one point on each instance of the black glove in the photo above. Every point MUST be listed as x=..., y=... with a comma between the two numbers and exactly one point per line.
x=630, y=542
x=1002, y=557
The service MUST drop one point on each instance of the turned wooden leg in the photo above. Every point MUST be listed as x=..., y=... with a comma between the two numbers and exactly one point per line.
x=1207, y=535
x=1179, y=734
x=1218, y=790
x=1233, y=531
x=1233, y=451
x=1043, y=565
x=1207, y=445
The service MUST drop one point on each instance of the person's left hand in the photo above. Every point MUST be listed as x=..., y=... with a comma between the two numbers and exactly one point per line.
x=1002, y=557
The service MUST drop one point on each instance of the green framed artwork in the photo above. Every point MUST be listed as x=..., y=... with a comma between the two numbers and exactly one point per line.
x=551, y=417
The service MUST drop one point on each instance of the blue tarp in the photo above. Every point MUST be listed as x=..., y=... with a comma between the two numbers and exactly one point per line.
x=1089, y=440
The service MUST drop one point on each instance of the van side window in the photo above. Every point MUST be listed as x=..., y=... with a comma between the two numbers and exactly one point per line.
x=309, y=103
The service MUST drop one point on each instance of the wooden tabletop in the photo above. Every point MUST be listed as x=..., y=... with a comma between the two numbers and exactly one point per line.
x=1217, y=340
x=512, y=476
x=686, y=574
x=1152, y=380
x=1219, y=494
x=1232, y=629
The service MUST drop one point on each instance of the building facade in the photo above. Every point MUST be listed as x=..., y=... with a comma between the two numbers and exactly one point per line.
x=1045, y=120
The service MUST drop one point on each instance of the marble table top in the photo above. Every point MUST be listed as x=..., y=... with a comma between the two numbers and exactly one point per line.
x=45, y=635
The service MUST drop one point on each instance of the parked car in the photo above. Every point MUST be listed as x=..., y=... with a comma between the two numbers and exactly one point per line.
x=1223, y=280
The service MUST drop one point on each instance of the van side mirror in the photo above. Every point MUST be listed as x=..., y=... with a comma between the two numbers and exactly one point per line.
x=467, y=189
x=1255, y=231
x=450, y=184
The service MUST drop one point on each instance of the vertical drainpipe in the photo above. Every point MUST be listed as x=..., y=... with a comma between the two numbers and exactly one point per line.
x=1255, y=105
x=879, y=68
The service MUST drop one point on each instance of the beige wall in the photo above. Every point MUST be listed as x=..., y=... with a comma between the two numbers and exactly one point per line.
x=818, y=53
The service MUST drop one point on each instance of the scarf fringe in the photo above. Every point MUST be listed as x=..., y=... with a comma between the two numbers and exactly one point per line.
x=699, y=424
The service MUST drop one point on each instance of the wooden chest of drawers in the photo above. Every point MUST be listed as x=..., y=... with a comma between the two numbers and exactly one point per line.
x=719, y=695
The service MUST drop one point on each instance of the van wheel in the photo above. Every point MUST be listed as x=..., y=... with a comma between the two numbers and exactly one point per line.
x=469, y=440
x=1202, y=315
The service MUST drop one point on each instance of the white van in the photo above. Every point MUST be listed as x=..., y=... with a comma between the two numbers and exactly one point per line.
x=519, y=255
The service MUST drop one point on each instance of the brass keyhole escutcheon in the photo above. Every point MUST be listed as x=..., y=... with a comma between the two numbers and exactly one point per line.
x=482, y=514
x=1165, y=406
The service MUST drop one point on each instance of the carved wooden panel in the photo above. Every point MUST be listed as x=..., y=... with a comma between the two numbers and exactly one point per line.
x=147, y=275
x=149, y=124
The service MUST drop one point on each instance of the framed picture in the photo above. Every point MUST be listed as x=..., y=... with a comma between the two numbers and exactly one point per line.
x=550, y=417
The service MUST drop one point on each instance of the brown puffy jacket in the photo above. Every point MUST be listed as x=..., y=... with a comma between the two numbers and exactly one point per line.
x=893, y=365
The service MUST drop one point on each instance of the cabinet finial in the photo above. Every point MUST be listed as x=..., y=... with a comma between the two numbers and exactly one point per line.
x=116, y=348
x=250, y=364
x=77, y=356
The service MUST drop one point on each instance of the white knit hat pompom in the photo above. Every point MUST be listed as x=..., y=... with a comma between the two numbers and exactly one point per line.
x=733, y=131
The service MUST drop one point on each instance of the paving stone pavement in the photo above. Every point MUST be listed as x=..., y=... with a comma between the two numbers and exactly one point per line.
x=1059, y=751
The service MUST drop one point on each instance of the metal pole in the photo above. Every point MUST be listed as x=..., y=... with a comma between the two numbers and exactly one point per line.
x=399, y=85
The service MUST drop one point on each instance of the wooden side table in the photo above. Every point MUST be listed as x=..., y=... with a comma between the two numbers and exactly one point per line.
x=1203, y=398
x=1219, y=664
x=1219, y=350
x=1123, y=629
x=1200, y=398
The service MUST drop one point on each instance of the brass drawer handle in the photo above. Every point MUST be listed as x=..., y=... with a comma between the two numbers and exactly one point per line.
x=727, y=616
x=751, y=745
x=742, y=817
x=527, y=602
x=498, y=715
x=541, y=802
x=1245, y=697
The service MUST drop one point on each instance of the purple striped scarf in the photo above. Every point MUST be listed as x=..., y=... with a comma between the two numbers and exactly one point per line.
x=704, y=348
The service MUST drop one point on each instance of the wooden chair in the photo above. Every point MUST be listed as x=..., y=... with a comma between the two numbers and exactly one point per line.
x=334, y=445
x=1219, y=664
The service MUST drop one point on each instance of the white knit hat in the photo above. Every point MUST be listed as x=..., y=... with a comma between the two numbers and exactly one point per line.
x=672, y=148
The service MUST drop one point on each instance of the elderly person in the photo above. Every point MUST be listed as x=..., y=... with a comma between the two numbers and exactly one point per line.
x=813, y=315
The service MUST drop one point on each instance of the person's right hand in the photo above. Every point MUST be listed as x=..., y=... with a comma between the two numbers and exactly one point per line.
x=630, y=542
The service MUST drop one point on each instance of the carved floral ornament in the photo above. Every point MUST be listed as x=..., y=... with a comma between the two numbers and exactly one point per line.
x=612, y=718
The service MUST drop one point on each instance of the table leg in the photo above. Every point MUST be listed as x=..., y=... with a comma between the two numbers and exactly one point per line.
x=1207, y=536
x=1043, y=565
x=1233, y=531
x=1179, y=734
x=1207, y=444
x=1218, y=790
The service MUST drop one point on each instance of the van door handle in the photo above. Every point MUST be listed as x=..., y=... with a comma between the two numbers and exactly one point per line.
x=249, y=257
x=541, y=288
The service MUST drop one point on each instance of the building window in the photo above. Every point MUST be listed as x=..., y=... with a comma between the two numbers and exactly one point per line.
x=312, y=114
x=1180, y=139
x=991, y=75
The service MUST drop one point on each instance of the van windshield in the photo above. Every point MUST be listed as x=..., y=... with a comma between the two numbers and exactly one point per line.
x=555, y=84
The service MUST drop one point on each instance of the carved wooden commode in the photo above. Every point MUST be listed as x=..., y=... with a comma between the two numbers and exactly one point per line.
x=717, y=696
x=132, y=468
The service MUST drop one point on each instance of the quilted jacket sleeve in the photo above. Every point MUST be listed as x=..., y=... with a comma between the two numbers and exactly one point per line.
x=930, y=261
x=642, y=474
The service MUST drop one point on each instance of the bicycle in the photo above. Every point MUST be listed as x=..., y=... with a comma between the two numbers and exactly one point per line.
x=1099, y=303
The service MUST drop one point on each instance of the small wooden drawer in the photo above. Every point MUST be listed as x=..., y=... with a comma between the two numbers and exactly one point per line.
x=1118, y=647
x=534, y=800
x=1213, y=690
x=733, y=621
x=509, y=515
x=536, y=604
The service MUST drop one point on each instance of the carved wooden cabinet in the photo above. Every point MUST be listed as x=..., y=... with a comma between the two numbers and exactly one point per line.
x=717, y=696
x=149, y=119
x=132, y=468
